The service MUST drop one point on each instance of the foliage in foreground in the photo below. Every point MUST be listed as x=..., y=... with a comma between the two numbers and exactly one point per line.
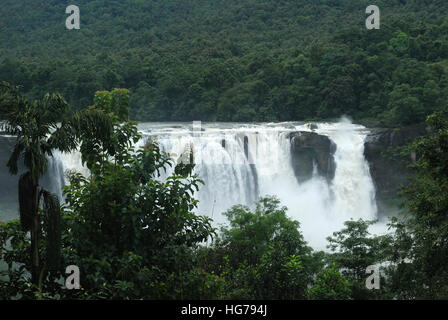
x=262, y=254
x=420, y=243
x=136, y=236
x=37, y=126
x=131, y=235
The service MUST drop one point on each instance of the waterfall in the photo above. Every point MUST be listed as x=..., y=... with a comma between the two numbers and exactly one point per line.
x=228, y=176
x=323, y=207
x=255, y=160
x=58, y=166
x=241, y=162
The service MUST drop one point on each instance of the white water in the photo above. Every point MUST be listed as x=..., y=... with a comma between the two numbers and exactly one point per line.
x=351, y=195
x=231, y=178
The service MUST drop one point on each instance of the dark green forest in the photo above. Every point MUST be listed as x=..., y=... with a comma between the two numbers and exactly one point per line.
x=230, y=60
x=134, y=236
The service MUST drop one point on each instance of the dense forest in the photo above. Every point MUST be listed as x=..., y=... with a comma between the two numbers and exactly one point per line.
x=230, y=60
x=134, y=236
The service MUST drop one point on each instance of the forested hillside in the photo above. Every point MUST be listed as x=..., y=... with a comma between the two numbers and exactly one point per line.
x=232, y=60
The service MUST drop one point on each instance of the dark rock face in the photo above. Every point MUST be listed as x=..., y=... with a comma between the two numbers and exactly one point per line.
x=309, y=149
x=388, y=175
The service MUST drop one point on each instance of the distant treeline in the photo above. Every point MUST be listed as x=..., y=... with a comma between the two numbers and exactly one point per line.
x=229, y=60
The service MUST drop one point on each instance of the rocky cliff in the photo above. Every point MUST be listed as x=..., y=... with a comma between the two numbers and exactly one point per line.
x=388, y=173
x=309, y=149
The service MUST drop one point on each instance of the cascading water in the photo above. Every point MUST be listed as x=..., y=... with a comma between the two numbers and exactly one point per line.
x=241, y=162
x=323, y=207
x=228, y=176
x=58, y=165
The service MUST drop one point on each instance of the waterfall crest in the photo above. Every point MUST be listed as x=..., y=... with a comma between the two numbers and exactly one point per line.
x=241, y=162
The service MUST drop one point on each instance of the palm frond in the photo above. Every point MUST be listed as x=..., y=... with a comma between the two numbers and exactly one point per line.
x=52, y=108
x=14, y=158
x=88, y=123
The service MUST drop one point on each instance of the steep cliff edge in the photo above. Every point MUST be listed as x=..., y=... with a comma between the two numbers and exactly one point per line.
x=309, y=149
x=388, y=174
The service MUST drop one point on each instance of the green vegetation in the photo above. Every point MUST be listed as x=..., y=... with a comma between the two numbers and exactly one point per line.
x=32, y=123
x=136, y=237
x=115, y=223
x=230, y=60
x=421, y=248
x=262, y=255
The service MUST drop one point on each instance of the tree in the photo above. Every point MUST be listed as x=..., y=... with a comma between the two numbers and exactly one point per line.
x=419, y=251
x=37, y=128
x=331, y=285
x=404, y=107
x=32, y=123
x=130, y=232
x=339, y=96
x=262, y=254
x=353, y=251
x=400, y=42
x=214, y=71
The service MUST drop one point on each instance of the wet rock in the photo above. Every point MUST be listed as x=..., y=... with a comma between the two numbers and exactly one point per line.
x=310, y=150
x=389, y=174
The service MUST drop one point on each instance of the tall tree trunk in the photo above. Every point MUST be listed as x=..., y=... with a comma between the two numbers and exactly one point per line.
x=35, y=234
